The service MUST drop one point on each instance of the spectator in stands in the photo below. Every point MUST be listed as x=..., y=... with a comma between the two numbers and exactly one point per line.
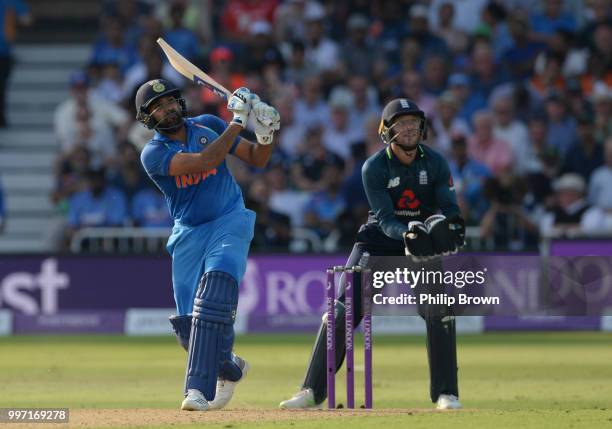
x=455, y=39
x=2, y=209
x=508, y=221
x=467, y=102
x=70, y=176
x=485, y=75
x=110, y=82
x=322, y=51
x=12, y=13
x=359, y=52
x=576, y=101
x=469, y=177
x=467, y=14
x=130, y=14
x=184, y=40
x=289, y=21
x=447, y=124
x=149, y=209
x=412, y=89
x=602, y=110
x=494, y=27
x=543, y=166
x=298, y=66
x=112, y=47
x=150, y=65
x=339, y=135
x=326, y=205
x=310, y=107
x=599, y=217
x=601, y=12
x=552, y=18
x=128, y=175
x=306, y=171
x=365, y=102
x=291, y=133
x=509, y=129
x=520, y=56
x=353, y=192
x=562, y=45
x=484, y=147
x=600, y=185
x=260, y=48
x=87, y=119
x=585, y=154
x=569, y=207
x=561, y=127
x=198, y=18
x=435, y=74
x=222, y=69
x=418, y=28
x=272, y=229
x=548, y=77
x=390, y=27
x=600, y=60
x=373, y=142
x=98, y=205
x=238, y=15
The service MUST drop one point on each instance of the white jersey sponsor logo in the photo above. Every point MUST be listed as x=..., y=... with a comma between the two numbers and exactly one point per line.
x=393, y=183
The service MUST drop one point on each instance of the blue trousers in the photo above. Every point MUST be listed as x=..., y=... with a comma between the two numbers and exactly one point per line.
x=218, y=245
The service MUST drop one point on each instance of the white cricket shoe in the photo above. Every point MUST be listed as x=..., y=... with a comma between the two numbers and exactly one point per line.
x=301, y=400
x=225, y=388
x=448, y=402
x=195, y=401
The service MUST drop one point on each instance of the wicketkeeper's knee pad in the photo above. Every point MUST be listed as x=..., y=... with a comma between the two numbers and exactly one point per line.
x=182, y=329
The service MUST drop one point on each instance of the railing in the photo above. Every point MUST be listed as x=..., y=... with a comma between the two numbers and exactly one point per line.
x=119, y=240
x=153, y=240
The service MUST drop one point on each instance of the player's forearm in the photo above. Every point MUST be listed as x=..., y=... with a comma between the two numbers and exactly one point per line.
x=260, y=155
x=393, y=228
x=215, y=153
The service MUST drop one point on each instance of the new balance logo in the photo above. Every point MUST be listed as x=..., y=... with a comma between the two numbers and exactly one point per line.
x=393, y=183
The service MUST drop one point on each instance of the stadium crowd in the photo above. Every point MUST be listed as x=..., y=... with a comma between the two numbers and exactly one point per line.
x=518, y=95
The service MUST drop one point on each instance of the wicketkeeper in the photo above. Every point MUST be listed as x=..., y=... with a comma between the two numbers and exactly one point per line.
x=414, y=212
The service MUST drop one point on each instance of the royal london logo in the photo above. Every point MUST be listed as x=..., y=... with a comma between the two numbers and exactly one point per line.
x=187, y=180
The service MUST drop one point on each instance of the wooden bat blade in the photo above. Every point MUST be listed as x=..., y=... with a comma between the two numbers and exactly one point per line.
x=191, y=72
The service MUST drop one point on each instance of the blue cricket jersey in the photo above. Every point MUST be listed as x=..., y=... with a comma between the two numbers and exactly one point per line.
x=198, y=198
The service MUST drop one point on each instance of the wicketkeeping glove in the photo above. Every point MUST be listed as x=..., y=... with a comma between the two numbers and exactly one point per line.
x=239, y=104
x=446, y=235
x=418, y=243
x=457, y=225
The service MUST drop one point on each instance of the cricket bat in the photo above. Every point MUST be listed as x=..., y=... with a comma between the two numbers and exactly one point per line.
x=191, y=72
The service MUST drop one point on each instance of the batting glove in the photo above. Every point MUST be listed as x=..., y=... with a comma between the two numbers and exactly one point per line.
x=239, y=104
x=266, y=121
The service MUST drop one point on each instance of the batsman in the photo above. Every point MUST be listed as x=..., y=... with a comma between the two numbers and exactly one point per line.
x=212, y=228
x=414, y=212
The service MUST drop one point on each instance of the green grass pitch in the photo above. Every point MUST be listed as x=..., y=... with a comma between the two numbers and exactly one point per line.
x=507, y=380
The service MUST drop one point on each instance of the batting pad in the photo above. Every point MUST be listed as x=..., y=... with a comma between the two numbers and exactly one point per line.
x=212, y=332
x=182, y=329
